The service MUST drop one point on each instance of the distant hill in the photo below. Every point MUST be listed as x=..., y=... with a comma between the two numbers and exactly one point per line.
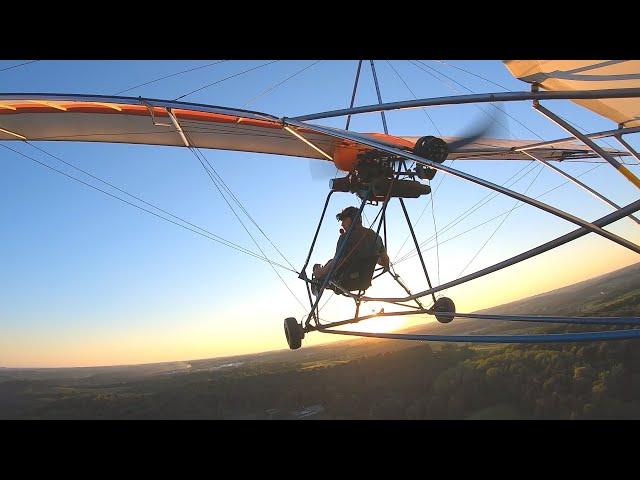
x=587, y=297
x=613, y=294
x=616, y=293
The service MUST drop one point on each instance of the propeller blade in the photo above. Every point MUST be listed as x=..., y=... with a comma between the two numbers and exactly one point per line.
x=486, y=125
x=322, y=169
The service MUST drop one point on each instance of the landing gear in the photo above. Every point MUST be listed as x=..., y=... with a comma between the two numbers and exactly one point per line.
x=444, y=304
x=294, y=333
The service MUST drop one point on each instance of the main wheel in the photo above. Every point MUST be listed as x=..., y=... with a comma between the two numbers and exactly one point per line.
x=444, y=304
x=294, y=333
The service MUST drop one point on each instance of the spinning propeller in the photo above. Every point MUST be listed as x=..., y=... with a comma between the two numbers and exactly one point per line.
x=433, y=148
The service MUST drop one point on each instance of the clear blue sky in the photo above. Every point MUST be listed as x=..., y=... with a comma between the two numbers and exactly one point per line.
x=87, y=280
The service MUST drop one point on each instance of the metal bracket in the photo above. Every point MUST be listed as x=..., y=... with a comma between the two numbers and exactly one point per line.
x=9, y=132
x=178, y=127
x=153, y=118
x=589, y=143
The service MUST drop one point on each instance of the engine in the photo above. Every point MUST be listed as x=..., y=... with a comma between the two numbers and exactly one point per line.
x=382, y=174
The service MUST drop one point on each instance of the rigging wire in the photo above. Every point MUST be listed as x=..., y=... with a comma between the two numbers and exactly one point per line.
x=209, y=235
x=270, y=89
x=506, y=89
x=424, y=209
x=384, y=124
x=469, y=90
x=432, y=197
x=19, y=65
x=217, y=184
x=540, y=167
x=415, y=97
x=497, y=216
x=477, y=106
x=483, y=201
x=172, y=75
x=442, y=179
x=127, y=193
x=351, y=102
x=346, y=255
x=475, y=75
x=435, y=230
x=420, y=66
x=226, y=187
x=479, y=204
x=245, y=228
x=225, y=79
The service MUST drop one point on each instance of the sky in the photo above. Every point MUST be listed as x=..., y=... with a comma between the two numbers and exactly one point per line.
x=87, y=280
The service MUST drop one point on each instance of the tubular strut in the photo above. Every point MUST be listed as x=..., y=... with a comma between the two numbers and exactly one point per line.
x=395, y=276
x=580, y=184
x=536, y=338
x=415, y=241
x=624, y=143
x=539, y=338
x=588, y=142
x=585, y=227
x=580, y=232
x=314, y=314
x=608, y=321
x=303, y=270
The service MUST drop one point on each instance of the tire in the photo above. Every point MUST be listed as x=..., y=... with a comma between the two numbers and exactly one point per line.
x=294, y=333
x=444, y=304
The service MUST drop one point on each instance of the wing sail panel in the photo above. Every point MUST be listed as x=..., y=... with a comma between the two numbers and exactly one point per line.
x=42, y=117
x=574, y=75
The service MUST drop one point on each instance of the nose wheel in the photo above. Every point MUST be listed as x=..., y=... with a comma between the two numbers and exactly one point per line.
x=294, y=333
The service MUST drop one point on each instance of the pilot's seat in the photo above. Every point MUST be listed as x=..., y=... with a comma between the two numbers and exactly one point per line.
x=357, y=274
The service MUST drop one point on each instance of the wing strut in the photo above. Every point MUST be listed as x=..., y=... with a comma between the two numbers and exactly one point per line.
x=580, y=184
x=588, y=142
x=624, y=143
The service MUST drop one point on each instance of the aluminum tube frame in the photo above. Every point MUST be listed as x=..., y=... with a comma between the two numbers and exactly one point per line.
x=394, y=275
x=438, y=166
x=329, y=276
x=303, y=274
x=580, y=184
x=353, y=95
x=588, y=142
x=551, y=319
x=320, y=328
x=592, y=136
x=303, y=271
x=178, y=127
x=578, y=135
x=415, y=242
x=605, y=321
x=624, y=143
x=476, y=98
x=575, y=234
x=539, y=338
x=154, y=102
x=375, y=81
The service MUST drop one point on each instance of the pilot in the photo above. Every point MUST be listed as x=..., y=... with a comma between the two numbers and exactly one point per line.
x=363, y=244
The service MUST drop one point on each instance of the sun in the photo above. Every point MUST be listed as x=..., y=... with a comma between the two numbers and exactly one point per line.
x=372, y=325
